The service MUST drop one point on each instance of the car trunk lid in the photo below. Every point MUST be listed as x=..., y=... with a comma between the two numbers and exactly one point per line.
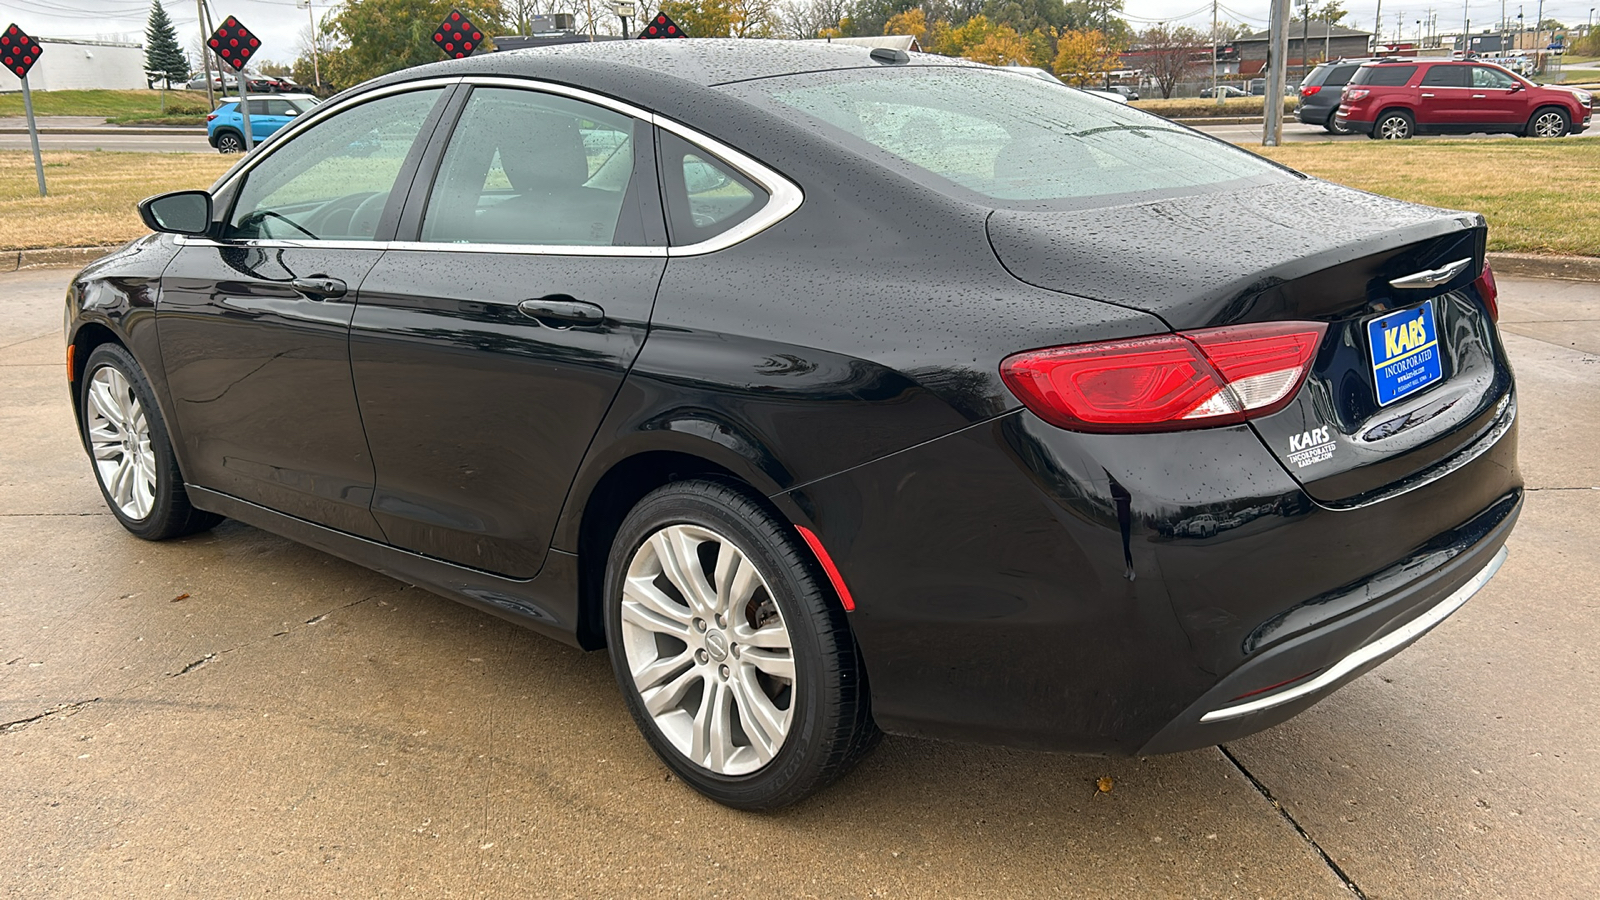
x=1305, y=251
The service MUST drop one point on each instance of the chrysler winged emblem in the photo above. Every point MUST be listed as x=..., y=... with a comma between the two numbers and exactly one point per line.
x=1431, y=277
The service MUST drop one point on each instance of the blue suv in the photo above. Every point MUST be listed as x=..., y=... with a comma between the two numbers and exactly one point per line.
x=225, y=126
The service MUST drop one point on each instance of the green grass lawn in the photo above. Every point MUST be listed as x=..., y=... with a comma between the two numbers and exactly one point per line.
x=111, y=104
x=1539, y=196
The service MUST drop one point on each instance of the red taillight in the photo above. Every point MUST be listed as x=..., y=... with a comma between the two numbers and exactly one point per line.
x=1310, y=89
x=1356, y=93
x=1168, y=382
x=1489, y=292
x=210, y=116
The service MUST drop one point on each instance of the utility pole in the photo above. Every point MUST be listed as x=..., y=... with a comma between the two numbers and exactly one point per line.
x=1277, y=70
x=205, y=57
x=1538, y=28
x=1305, y=38
x=1214, y=91
x=1377, y=29
x=316, y=69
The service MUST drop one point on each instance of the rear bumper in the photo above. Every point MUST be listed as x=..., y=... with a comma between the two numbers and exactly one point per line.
x=1323, y=660
x=1314, y=115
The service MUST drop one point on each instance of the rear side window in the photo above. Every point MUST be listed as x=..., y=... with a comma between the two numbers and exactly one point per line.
x=1384, y=76
x=1022, y=141
x=1445, y=76
x=529, y=168
x=705, y=196
x=1339, y=76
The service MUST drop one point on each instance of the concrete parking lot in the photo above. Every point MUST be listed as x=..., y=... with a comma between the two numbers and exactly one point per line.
x=233, y=714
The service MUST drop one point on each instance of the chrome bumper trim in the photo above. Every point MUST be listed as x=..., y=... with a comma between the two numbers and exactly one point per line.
x=1383, y=646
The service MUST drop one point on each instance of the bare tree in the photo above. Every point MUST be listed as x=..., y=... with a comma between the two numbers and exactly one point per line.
x=1169, y=54
x=806, y=19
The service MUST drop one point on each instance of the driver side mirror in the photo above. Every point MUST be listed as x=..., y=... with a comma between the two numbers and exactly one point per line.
x=1516, y=86
x=180, y=212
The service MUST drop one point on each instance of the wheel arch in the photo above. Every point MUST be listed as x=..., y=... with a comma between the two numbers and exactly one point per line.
x=608, y=489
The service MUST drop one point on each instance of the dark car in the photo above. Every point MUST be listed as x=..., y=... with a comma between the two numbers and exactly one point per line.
x=1396, y=100
x=1320, y=90
x=830, y=389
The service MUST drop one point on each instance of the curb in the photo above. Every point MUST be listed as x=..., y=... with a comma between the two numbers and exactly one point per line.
x=116, y=129
x=1532, y=265
x=17, y=260
x=1193, y=121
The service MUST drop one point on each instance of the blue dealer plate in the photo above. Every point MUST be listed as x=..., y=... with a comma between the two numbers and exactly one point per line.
x=1405, y=352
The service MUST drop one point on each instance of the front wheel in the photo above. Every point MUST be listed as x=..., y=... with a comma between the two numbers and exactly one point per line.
x=1393, y=126
x=734, y=658
x=1334, y=126
x=1549, y=123
x=133, y=459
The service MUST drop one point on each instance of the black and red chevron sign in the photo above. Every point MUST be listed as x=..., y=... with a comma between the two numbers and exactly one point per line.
x=662, y=26
x=234, y=43
x=457, y=36
x=18, y=51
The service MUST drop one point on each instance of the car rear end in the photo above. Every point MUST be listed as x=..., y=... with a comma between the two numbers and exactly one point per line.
x=224, y=115
x=1373, y=89
x=1176, y=539
x=1320, y=91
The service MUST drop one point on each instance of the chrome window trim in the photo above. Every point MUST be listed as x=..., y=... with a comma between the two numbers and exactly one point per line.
x=784, y=196
x=1379, y=648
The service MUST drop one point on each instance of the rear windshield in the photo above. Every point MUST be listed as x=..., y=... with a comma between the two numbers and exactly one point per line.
x=1338, y=76
x=1023, y=142
x=1384, y=76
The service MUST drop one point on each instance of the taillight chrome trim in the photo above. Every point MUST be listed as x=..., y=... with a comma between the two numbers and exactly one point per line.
x=1382, y=647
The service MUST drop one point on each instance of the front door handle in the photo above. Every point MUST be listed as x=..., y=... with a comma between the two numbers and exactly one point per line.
x=320, y=287
x=1427, y=96
x=561, y=311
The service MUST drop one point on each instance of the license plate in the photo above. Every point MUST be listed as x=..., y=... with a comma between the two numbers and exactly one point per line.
x=1405, y=352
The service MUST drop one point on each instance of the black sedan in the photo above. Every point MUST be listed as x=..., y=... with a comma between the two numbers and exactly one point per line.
x=832, y=390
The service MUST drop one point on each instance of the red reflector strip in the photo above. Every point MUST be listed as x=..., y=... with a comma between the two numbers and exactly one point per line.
x=827, y=566
x=1273, y=687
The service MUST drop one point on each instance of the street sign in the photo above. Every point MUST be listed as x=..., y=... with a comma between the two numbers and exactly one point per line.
x=18, y=51
x=662, y=26
x=234, y=43
x=457, y=36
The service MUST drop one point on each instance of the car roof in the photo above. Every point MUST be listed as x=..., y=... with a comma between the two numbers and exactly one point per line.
x=702, y=61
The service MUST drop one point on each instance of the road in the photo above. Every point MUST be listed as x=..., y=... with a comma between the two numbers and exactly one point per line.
x=235, y=713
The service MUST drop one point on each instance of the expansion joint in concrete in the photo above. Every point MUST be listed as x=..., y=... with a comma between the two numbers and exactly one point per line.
x=1261, y=789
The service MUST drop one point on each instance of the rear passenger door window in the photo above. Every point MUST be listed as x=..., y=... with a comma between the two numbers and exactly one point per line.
x=1446, y=76
x=531, y=168
x=705, y=196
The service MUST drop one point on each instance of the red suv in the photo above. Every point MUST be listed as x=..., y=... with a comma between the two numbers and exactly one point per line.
x=1397, y=99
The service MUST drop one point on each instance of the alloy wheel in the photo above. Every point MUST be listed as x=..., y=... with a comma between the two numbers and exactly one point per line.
x=708, y=649
x=119, y=437
x=227, y=143
x=1549, y=124
x=1394, y=128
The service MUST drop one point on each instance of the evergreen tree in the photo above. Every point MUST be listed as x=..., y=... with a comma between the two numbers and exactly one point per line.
x=163, y=58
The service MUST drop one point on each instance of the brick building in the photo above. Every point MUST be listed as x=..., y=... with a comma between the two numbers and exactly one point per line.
x=1320, y=39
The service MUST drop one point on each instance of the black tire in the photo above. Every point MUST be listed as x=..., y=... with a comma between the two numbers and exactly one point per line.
x=830, y=726
x=230, y=142
x=170, y=513
x=1549, y=122
x=1394, y=125
x=1332, y=126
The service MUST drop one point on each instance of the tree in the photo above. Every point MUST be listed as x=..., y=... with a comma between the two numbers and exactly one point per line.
x=163, y=57
x=702, y=18
x=1001, y=47
x=376, y=37
x=1085, y=57
x=1169, y=54
x=913, y=22
x=807, y=19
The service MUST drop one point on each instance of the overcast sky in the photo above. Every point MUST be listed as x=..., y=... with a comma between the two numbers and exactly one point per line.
x=279, y=22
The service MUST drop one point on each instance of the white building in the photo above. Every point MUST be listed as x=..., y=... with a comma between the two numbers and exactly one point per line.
x=70, y=64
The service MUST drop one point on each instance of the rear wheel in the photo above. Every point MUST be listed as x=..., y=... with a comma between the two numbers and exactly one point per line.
x=133, y=459
x=734, y=658
x=230, y=142
x=1393, y=126
x=1549, y=122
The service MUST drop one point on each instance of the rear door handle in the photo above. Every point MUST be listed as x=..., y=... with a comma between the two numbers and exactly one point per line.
x=320, y=287
x=1479, y=96
x=562, y=310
